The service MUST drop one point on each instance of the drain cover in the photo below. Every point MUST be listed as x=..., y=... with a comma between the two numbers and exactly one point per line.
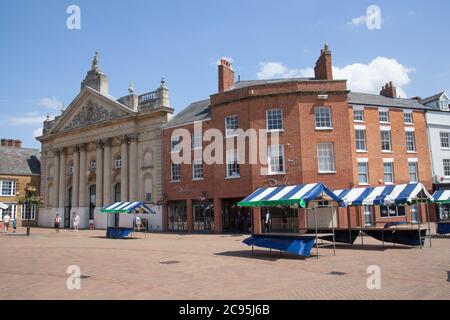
x=169, y=262
x=337, y=273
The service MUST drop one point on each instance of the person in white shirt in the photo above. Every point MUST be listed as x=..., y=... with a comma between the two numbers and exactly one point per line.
x=137, y=221
x=267, y=221
x=57, y=222
x=76, y=221
x=6, y=220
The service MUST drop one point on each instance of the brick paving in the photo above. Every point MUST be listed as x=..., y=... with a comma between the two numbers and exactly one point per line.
x=173, y=266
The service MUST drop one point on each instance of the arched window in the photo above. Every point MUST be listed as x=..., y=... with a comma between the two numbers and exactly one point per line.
x=118, y=162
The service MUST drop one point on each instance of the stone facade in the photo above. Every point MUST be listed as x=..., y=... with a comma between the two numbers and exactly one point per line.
x=102, y=150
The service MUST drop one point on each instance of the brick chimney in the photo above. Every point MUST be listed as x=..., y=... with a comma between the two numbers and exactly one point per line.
x=226, y=75
x=11, y=143
x=324, y=67
x=389, y=90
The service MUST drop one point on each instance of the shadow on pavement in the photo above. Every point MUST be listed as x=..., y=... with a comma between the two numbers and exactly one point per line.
x=260, y=255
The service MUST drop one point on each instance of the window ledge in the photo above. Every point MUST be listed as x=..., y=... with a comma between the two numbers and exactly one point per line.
x=175, y=181
x=383, y=122
x=445, y=149
x=364, y=184
x=411, y=152
x=198, y=179
x=327, y=172
x=384, y=151
x=276, y=173
x=361, y=151
x=274, y=130
x=359, y=121
x=325, y=129
x=232, y=177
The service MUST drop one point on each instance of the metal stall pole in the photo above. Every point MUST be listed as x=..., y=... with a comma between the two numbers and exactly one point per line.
x=315, y=222
x=427, y=210
x=349, y=222
x=361, y=225
x=332, y=226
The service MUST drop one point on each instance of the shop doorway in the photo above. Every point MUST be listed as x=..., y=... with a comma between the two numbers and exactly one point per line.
x=177, y=218
x=203, y=216
x=235, y=219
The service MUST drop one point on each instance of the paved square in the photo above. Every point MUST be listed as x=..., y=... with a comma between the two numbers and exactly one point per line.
x=173, y=266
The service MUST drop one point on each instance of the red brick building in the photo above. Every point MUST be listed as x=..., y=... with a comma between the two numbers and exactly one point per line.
x=314, y=119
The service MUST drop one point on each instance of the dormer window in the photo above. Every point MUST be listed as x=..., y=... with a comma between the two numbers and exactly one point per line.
x=444, y=105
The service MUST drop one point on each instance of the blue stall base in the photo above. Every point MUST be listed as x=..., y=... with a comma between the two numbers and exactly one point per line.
x=443, y=228
x=118, y=233
x=298, y=245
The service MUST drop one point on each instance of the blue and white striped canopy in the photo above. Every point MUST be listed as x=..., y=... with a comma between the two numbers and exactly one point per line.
x=442, y=196
x=299, y=195
x=128, y=207
x=386, y=195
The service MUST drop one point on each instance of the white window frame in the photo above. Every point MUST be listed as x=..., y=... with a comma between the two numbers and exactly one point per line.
x=408, y=115
x=276, y=151
x=407, y=133
x=323, y=118
x=173, y=178
x=390, y=140
x=232, y=163
x=390, y=209
x=390, y=164
x=118, y=161
x=13, y=191
x=175, y=144
x=32, y=212
x=93, y=164
x=446, y=167
x=358, y=110
x=364, y=162
x=197, y=141
x=13, y=207
x=382, y=111
x=197, y=174
x=281, y=120
x=231, y=120
x=331, y=166
x=416, y=171
x=364, y=140
x=445, y=136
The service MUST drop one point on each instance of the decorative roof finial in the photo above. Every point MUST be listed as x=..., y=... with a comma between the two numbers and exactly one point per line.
x=95, y=62
x=48, y=117
x=62, y=108
x=131, y=87
x=163, y=82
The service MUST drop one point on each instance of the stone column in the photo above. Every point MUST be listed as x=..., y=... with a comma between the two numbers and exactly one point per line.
x=83, y=170
x=99, y=175
x=56, y=156
x=75, y=176
x=217, y=215
x=189, y=215
x=124, y=169
x=133, y=175
x=107, y=172
x=62, y=178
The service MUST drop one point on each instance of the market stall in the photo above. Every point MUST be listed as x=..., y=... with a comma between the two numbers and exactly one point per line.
x=117, y=232
x=442, y=200
x=298, y=196
x=407, y=232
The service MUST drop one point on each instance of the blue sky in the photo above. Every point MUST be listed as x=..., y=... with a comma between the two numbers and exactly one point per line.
x=42, y=62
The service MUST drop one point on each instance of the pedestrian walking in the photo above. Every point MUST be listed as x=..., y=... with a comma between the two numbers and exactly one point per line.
x=76, y=221
x=57, y=222
x=14, y=225
x=6, y=220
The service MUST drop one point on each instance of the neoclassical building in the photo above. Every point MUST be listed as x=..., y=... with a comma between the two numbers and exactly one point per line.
x=102, y=150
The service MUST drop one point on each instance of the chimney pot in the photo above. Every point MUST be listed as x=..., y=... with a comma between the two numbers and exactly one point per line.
x=226, y=75
x=324, y=67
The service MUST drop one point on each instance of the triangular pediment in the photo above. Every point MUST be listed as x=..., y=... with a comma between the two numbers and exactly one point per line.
x=88, y=108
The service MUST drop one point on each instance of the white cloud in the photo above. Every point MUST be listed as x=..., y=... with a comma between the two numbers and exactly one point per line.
x=367, y=78
x=37, y=132
x=51, y=103
x=358, y=21
x=273, y=70
x=28, y=119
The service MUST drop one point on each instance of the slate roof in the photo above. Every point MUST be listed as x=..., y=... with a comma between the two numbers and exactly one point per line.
x=382, y=101
x=196, y=111
x=15, y=161
x=432, y=98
